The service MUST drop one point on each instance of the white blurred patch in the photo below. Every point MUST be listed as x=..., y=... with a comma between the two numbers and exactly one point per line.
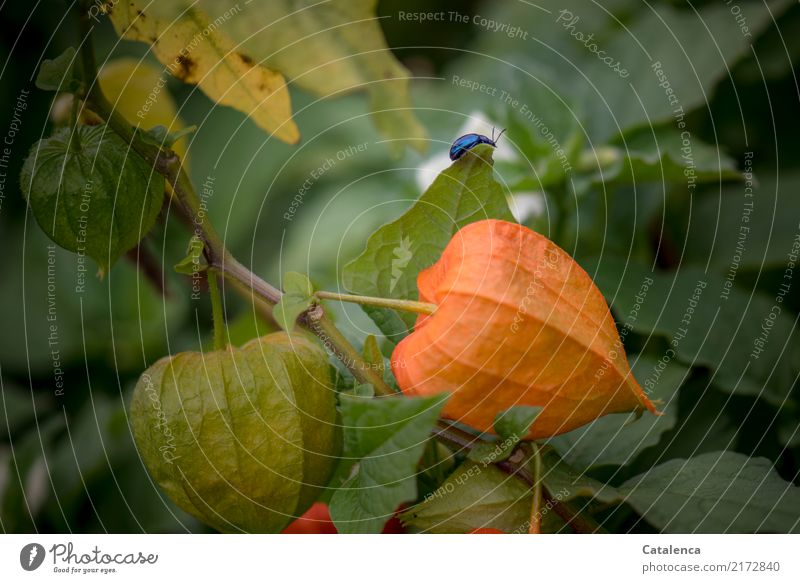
x=525, y=205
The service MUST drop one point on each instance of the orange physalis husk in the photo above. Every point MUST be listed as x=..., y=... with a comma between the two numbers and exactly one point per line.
x=518, y=322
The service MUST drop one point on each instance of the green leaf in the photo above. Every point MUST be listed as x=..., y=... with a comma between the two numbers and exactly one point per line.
x=395, y=254
x=749, y=228
x=655, y=37
x=634, y=34
x=512, y=425
x=549, y=137
x=160, y=136
x=474, y=496
x=386, y=437
x=659, y=155
x=618, y=439
x=22, y=498
x=95, y=440
x=707, y=322
x=19, y=407
x=720, y=492
x=363, y=390
x=93, y=197
x=123, y=301
x=297, y=298
x=194, y=262
x=566, y=483
x=56, y=74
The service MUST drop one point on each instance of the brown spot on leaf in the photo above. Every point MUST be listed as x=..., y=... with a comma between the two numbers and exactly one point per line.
x=184, y=67
x=246, y=60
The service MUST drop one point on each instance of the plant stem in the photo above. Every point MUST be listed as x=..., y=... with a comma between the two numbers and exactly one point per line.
x=335, y=341
x=149, y=266
x=402, y=305
x=74, y=138
x=535, y=525
x=216, y=310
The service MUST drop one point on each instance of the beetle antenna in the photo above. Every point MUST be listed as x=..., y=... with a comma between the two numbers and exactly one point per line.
x=498, y=135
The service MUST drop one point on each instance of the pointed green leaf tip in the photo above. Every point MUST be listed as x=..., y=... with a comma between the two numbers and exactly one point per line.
x=297, y=298
x=473, y=496
x=511, y=425
x=464, y=193
x=194, y=261
x=716, y=492
x=91, y=196
x=56, y=74
x=163, y=138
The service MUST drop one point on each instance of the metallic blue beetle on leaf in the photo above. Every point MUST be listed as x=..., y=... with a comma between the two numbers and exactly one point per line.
x=469, y=141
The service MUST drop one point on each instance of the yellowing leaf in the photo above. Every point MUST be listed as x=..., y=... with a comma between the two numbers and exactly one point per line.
x=195, y=49
x=136, y=90
x=328, y=48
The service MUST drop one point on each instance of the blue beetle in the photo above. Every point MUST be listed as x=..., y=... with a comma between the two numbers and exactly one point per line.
x=469, y=141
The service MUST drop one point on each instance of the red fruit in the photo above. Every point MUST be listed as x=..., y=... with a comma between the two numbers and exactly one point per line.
x=316, y=520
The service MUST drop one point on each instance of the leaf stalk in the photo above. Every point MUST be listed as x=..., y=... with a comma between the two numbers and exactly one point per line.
x=402, y=305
